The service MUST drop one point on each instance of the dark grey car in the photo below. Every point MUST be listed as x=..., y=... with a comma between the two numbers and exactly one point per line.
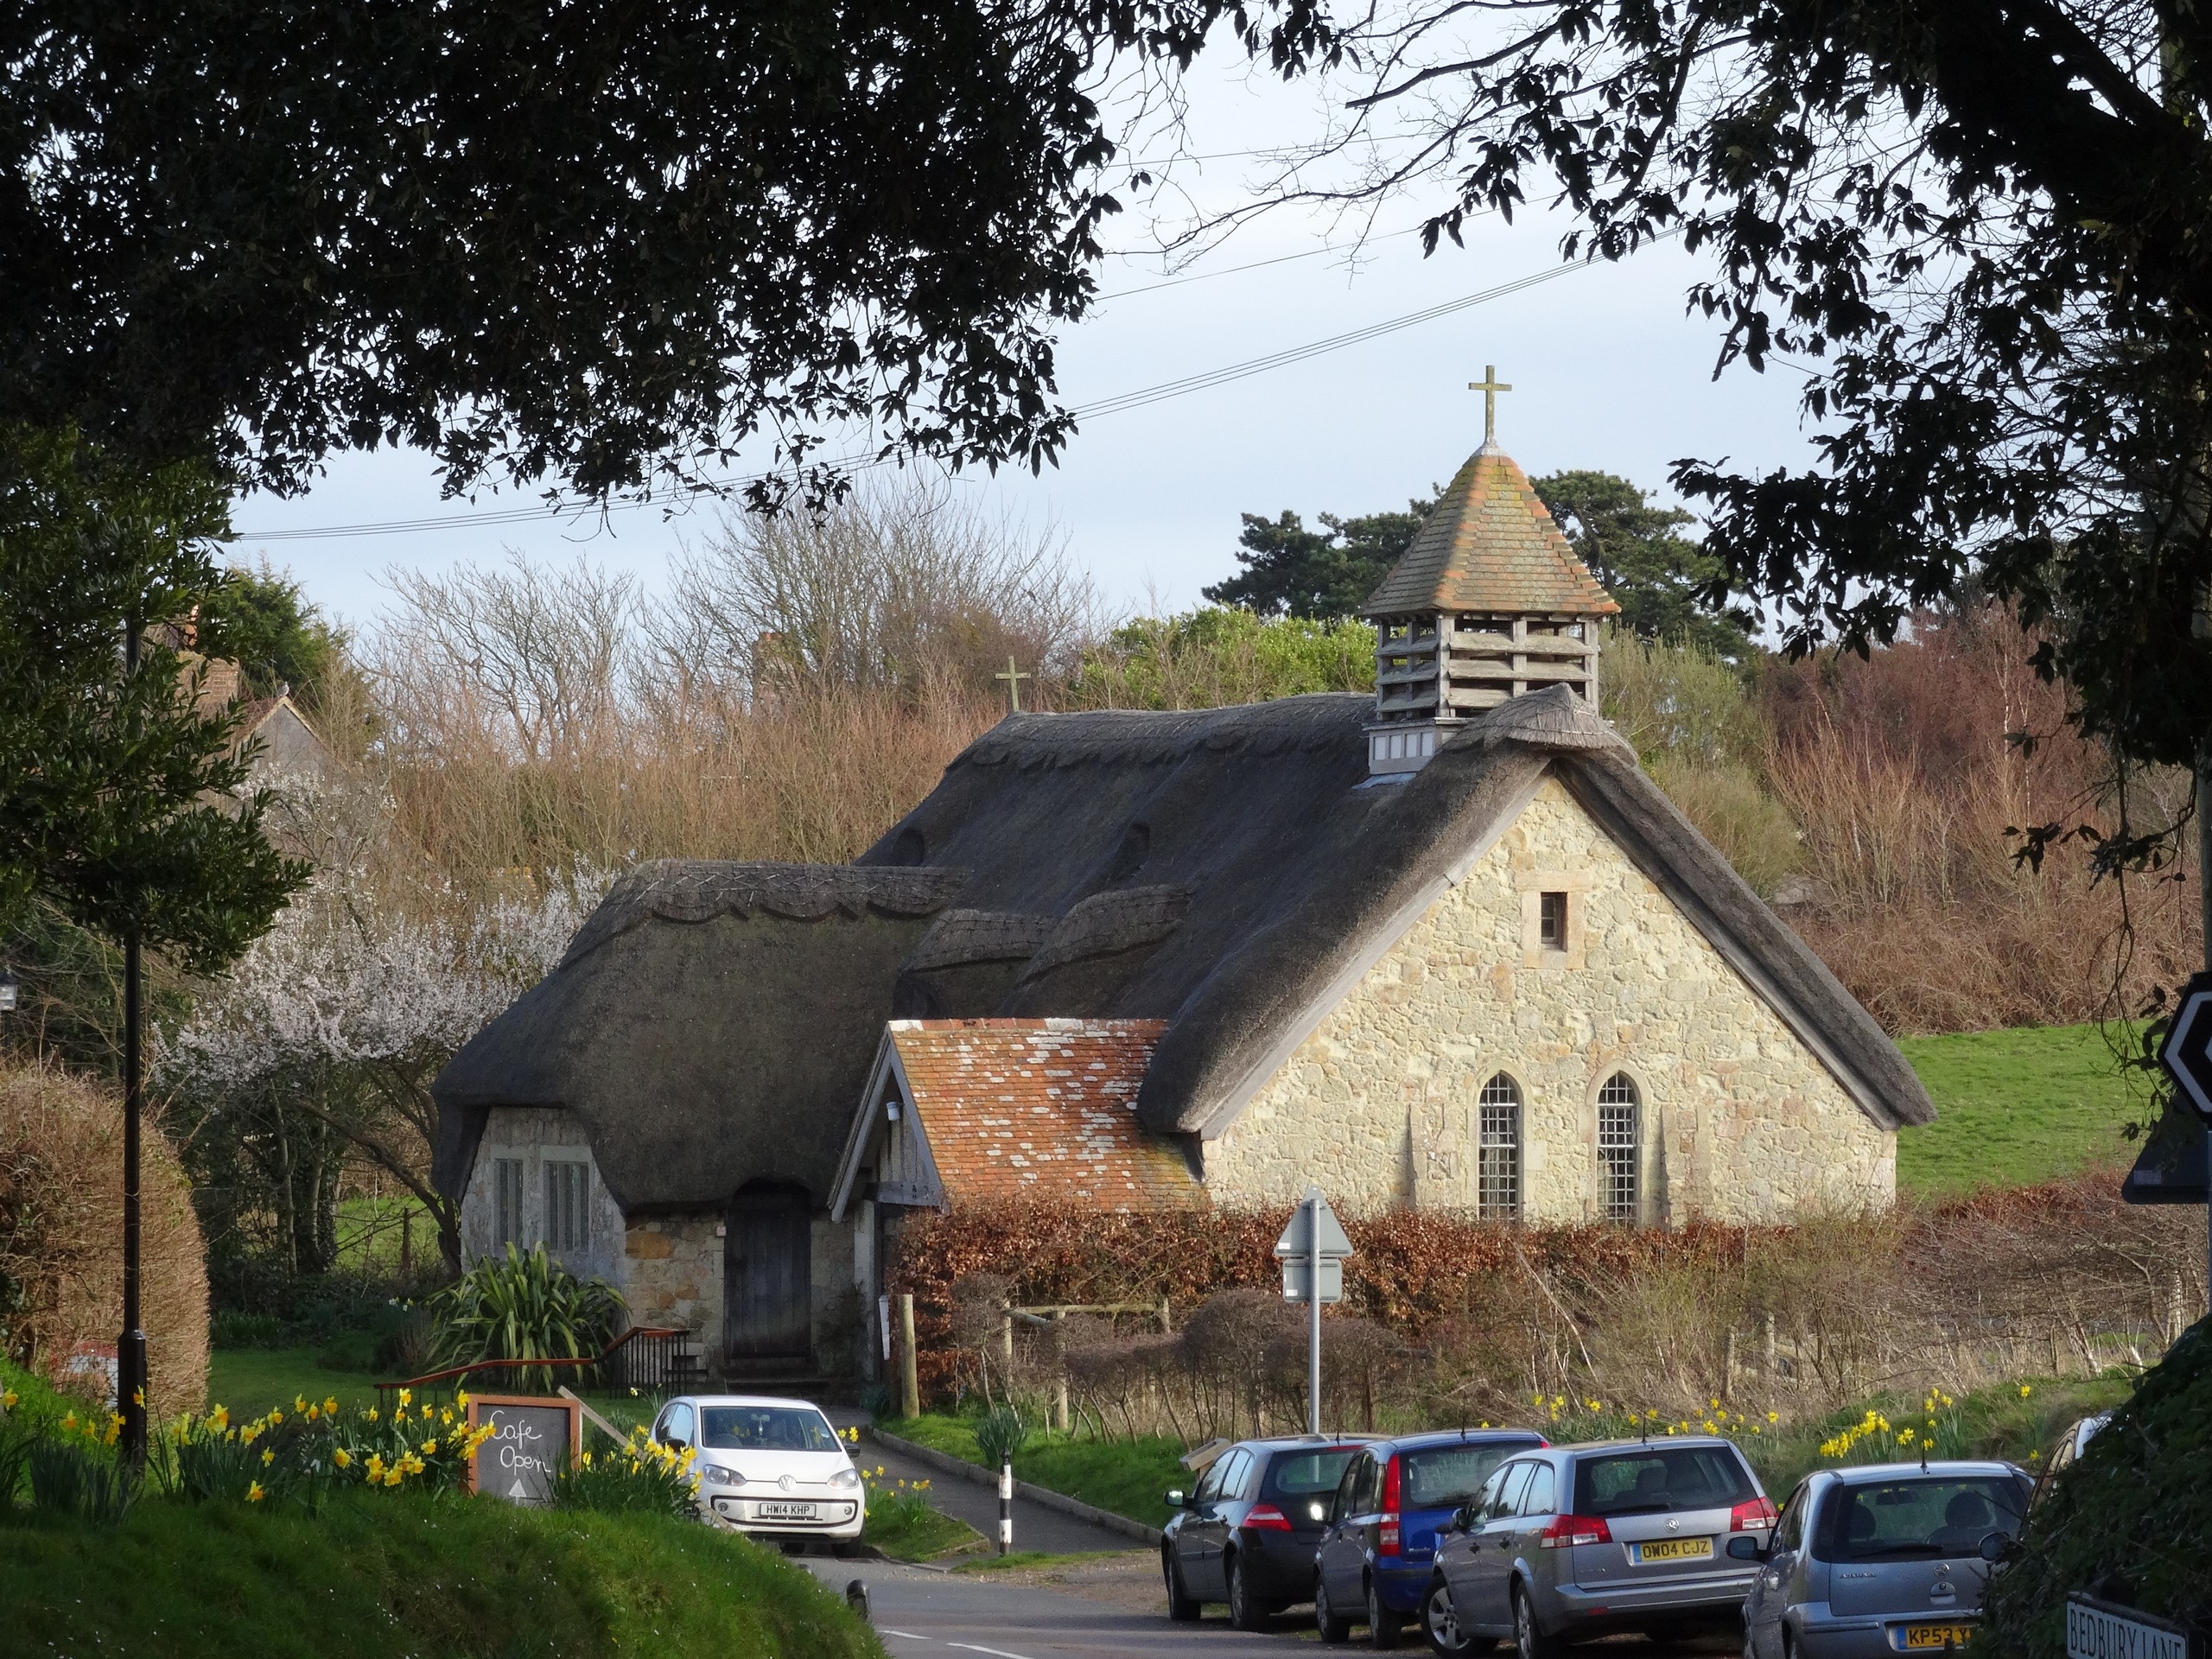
x=1890, y=1558
x=1580, y=1541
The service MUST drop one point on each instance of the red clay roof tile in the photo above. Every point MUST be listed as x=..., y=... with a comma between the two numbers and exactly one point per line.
x=1041, y=1109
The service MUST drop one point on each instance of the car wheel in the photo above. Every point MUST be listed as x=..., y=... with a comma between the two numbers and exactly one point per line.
x=1180, y=1607
x=1529, y=1638
x=1439, y=1622
x=1383, y=1626
x=1244, y=1612
x=1333, y=1628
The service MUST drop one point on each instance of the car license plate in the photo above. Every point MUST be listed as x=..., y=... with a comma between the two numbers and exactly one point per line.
x=1671, y=1549
x=784, y=1511
x=1919, y=1638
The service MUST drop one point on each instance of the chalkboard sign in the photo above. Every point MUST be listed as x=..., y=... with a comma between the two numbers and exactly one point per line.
x=529, y=1434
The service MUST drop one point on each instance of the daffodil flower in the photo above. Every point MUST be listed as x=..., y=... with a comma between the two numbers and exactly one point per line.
x=342, y=1458
x=254, y=1494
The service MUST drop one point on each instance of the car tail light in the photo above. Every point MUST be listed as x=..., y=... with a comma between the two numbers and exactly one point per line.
x=1386, y=1543
x=1567, y=1530
x=1758, y=1512
x=1266, y=1517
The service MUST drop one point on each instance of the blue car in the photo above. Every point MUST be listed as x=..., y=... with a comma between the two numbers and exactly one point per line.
x=1378, y=1546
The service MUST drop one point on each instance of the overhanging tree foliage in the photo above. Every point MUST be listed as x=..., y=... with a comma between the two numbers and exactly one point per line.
x=607, y=243
x=1979, y=224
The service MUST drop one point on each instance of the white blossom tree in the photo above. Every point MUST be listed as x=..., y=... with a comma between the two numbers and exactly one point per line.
x=349, y=1006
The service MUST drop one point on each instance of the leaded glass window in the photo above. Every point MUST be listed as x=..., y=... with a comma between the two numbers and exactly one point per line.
x=1497, y=1181
x=1620, y=1145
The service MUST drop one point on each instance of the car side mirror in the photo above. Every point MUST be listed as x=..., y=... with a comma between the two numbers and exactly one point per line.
x=1463, y=1518
x=1994, y=1548
x=1176, y=1499
x=1745, y=1547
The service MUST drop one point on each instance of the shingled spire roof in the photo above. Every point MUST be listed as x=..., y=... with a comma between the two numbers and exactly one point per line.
x=1489, y=546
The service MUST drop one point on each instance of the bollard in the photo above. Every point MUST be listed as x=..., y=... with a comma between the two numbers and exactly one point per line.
x=910, y=1392
x=1006, y=1508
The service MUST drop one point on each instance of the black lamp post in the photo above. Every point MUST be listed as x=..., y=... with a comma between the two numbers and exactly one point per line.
x=131, y=1346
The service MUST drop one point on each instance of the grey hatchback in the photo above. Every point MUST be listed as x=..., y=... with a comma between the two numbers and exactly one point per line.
x=1578, y=1541
x=1881, y=1560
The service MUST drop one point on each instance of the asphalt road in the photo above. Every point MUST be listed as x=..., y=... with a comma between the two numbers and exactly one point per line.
x=1035, y=1527
x=1109, y=1606
x=923, y=1615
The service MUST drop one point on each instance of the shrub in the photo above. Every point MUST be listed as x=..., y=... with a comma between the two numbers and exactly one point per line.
x=60, y=1219
x=522, y=1307
x=639, y=1477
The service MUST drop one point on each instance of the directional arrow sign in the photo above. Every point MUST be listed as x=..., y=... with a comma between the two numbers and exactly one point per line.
x=2187, y=1052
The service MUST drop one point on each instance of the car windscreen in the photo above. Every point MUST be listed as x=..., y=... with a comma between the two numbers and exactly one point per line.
x=1662, y=1480
x=1444, y=1477
x=1918, y=1517
x=1302, y=1476
x=765, y=1428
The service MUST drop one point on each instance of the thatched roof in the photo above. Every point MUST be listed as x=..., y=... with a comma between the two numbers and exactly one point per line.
x=1230, y=872
x=712, y=1024
x=1290, y=868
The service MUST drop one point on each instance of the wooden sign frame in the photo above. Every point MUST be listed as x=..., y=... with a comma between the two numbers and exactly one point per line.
x=570, y=1409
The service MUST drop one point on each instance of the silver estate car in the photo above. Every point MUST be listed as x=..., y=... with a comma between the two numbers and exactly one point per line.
x=1575, y=1541
x=1872, y=1562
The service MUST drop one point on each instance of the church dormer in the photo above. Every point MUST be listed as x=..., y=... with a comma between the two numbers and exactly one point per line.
x=1489, y=602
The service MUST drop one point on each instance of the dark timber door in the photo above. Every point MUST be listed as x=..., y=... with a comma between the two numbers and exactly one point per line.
x=767, y=1271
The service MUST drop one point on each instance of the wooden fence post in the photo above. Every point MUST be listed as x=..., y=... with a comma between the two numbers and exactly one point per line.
x=910, y=1386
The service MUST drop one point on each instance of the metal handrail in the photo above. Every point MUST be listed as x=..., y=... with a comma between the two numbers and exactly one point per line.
x=612, y=1348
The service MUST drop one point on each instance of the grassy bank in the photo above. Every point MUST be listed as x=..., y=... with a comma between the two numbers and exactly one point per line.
x=396, y=1575
x=2015, y=1107
x=252, y=1379
x=1123, y=1477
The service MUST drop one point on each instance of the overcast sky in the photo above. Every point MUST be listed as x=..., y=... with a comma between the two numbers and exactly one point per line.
x=1607, y=372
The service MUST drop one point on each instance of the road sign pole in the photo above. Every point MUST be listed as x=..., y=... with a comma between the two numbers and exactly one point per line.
x=1313, y=1314
x=2204, y=904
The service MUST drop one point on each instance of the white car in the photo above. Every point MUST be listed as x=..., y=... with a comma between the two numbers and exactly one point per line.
x=774, y=1468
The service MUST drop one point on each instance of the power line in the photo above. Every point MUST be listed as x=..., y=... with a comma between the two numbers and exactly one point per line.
x=1140, y=398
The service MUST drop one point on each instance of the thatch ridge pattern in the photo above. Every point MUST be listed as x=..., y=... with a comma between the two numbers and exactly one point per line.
x=698, y=890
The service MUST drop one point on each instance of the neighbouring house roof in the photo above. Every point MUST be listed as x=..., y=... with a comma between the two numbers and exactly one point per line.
x=711, y=1026
x=1490, y=545
x=1011, y=1108
x=1226, y=873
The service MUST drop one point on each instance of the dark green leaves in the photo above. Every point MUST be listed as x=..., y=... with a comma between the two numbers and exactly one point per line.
x=119, y=798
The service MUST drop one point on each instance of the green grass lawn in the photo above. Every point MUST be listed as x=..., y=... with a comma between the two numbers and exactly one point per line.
x=250, y=1380
x=379, y=1577
x=2018, y=1107
x=1122, y=1477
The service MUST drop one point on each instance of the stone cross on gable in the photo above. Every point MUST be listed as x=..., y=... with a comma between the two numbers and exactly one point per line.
x=1489, y=386
x=1014, y=677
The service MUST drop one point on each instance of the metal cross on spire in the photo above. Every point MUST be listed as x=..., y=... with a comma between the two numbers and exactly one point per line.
x=1489, y=386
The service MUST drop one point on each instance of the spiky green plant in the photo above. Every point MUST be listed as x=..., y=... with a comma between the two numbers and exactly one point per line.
x=81, y=1480
x=1000, y=1433
x=522, y=1307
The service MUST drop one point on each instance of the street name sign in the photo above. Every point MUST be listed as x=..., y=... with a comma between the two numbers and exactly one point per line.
x=2103, y=1629
x=2187, y=1051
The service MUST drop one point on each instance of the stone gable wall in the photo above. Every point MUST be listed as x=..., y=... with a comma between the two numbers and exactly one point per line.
x=1741, y=1121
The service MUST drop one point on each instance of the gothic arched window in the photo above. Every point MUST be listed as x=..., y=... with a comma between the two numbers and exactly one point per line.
x=1620, y=1147
x=1498, y=1151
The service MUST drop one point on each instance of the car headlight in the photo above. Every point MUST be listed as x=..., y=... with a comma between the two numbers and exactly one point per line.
x=845, y=1479
x=718, y=1476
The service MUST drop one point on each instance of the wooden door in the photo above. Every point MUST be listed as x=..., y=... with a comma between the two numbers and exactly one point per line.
x=767, y=1273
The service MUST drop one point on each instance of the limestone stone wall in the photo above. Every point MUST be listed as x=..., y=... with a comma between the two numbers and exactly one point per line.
x=672, y=1275
x=1741, y=1121
x=532, y=1137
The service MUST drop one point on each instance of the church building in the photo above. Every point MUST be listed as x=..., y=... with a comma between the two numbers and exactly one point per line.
x=1444, y=947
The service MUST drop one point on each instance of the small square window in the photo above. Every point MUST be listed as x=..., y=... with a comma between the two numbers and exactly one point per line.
x=1551, y=921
